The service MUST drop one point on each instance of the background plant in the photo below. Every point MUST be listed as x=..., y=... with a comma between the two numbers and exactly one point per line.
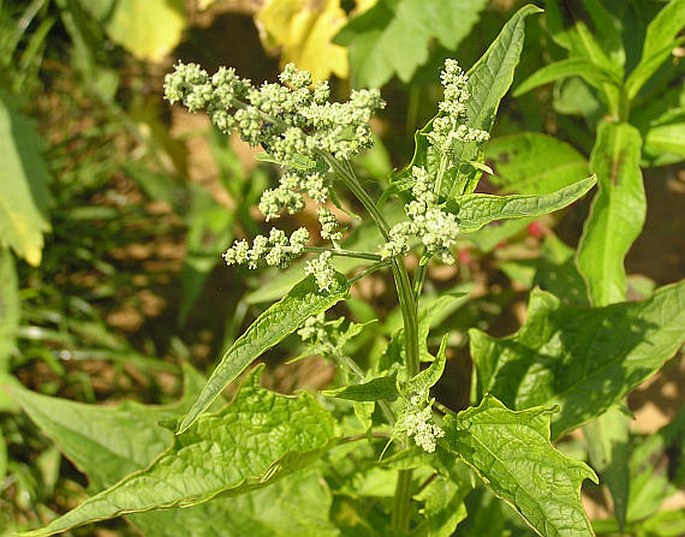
x=437, y=311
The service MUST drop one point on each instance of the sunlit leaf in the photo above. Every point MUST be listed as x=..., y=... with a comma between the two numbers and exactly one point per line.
x=512, y=453
x=373, y=37
x=256, y=440
x=272, y=326
x=303, y=32
x=24, y=177
x=582, y=359
x=617, y=214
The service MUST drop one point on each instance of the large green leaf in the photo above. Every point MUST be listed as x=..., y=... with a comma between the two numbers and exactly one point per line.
x=534, y=163
x=296, y=506
x=272, y=326
x=24, y=177
x=259, y=438
x=393, y=36
x=659, y=44
x=582, y=359
x=149, y=30
x=617, y=214
x=476, y=210
x=489, y=79
x=512, y=453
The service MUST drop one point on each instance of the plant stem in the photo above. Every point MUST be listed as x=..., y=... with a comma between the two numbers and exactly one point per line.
x=401, y=515
x=344, y=253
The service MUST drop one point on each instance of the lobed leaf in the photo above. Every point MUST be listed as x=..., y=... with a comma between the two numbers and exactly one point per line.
x=24, y=176
x=582, y=359
x=476, y=210
x=617, y=213
x=271, y=327
x=259, y=438
x=372, y=38
x=511, y=452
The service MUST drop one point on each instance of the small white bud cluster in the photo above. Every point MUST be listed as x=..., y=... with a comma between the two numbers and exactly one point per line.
x=321, y=268
x=450, y=126
x=436, y=229
x=330, y=227
x=417, y=422
x=291, y=119
x=289, y=194
x=314, y=329
x=276, y=250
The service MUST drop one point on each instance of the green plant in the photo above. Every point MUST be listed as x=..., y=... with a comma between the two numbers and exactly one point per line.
x=376, y=453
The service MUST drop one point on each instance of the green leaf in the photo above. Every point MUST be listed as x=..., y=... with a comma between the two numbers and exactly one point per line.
x=582, y=359
x=371, y=390
x=617, y=214
x=659, y=43
x=149, y=30
x=373, y=37
x=272, y=326
x=259, y=438
x=534, y=163
x=665, y=144
x=579, y=67
x=24, y=195
x=10, y=307
x=489, y=79
x=443, y=508
x=296, y=506
x=609, y=449
x=106, y=443
x=426, y=379
x=476, y=210
x=511, y=452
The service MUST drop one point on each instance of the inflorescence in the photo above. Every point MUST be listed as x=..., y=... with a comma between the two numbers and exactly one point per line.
x=302, y=130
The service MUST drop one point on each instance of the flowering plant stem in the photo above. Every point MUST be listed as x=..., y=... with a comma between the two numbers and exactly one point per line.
x=401, y=514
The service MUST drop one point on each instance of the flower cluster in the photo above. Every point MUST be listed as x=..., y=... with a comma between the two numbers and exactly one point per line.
x=289, y=194
x=321, y=268
x=276, y=250
x=416, y=422
x=293, y=119
x=435, y=228
x=451, y=126
x=330, y=227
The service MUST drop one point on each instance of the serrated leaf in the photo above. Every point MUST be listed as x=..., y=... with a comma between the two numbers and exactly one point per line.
x=578, y=67
x=659, y=43
x=617, y=214
x=489, y=79
x=534, y=163
x=375, y=389
x=665, y=144
x=373, y=37
x=259, y=438
x=511, y=452
x=476, y=210
x=149, y=30
x=303, y=31
x=24, y=176
x=272, y=326
x=582, y=359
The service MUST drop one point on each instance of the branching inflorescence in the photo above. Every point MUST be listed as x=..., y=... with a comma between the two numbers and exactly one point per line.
x=312, y=140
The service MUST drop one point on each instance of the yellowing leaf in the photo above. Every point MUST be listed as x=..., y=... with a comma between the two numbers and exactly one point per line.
x=303, y=30
x=149, y=30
